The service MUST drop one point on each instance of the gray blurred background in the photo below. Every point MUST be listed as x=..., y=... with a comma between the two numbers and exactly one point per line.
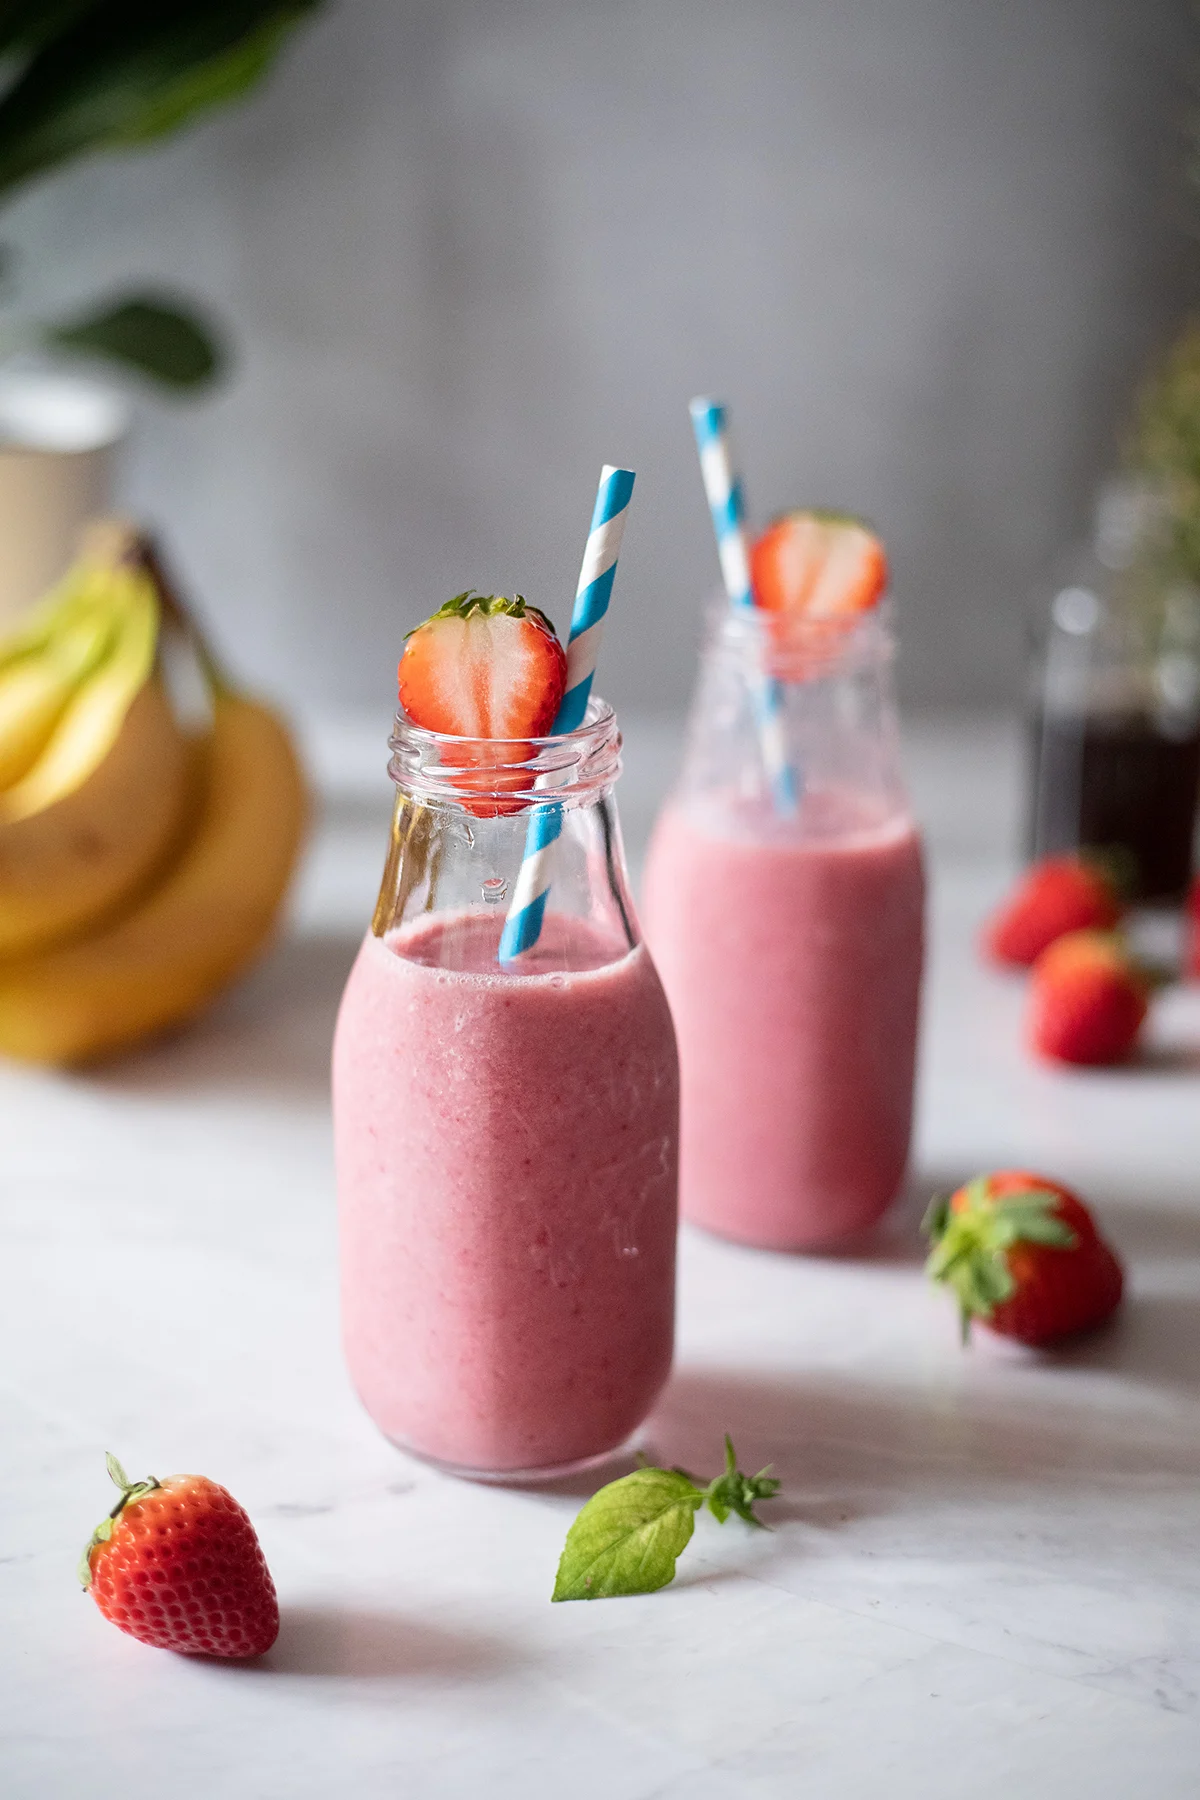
x=470, y=249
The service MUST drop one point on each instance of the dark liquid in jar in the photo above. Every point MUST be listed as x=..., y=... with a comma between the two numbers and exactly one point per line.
x=1118, y=784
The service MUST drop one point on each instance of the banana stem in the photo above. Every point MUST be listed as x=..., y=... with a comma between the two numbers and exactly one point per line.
x=151, y=559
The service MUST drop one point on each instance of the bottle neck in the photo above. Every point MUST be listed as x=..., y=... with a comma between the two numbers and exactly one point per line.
x=811, y=696
x=461, y=838
x=799, y=651
x=492, y=777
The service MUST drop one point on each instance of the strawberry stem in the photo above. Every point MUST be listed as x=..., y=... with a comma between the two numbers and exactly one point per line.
x=488, y=606
x=130, y=1491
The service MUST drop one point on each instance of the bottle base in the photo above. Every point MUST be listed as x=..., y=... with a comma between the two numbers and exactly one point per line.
x=540, y=1476
x=848, y=1240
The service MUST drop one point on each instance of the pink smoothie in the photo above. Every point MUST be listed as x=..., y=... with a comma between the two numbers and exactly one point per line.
x=791, y=955
x=507, y=1175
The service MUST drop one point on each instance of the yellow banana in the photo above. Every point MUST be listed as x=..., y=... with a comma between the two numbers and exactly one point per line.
x=110, y=792
x=205, y=920
x=36, y=687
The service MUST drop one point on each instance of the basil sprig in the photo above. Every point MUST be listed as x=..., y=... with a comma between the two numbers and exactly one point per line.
x=629, y=1536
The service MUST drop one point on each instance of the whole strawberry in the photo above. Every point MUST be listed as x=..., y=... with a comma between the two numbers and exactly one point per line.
x=177, y=1564
x=1087, y=1000
x=1023, y=1255
x=1057, y=895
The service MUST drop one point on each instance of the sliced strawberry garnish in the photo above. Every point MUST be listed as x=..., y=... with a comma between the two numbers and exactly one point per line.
x=484, y=666
x=821, y=565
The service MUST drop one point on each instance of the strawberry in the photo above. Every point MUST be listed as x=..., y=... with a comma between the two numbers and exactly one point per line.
x=1057, y=895
x=177, y=1564
x=1191, y=943
x=818, y=564
x=1087, y=999
x=1023, y=1255
x=484, y=666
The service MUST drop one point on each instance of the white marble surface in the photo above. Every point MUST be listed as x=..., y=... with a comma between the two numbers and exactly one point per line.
x=983, y=1578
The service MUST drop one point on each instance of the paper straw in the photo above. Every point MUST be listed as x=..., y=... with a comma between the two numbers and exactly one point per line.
x=594, y=592
x=724, y=493
x=523, y=926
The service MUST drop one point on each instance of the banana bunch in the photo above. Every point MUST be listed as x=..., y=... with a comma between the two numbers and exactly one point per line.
x=150, y=816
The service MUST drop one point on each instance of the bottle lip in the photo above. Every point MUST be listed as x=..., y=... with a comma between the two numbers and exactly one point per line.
x=796, y=648
x=508, y=774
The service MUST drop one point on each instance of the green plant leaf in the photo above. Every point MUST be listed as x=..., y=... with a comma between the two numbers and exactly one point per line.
x=1165, y=447
x=123, y=71
x=628, y=1536
x=216, y=83
x=24, y=24
x=170, y=345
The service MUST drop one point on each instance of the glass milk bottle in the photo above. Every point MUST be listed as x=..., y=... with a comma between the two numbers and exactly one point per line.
x=506, y=1133
x=789, y=936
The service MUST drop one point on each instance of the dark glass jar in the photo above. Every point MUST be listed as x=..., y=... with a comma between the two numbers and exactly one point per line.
x=1115, y=714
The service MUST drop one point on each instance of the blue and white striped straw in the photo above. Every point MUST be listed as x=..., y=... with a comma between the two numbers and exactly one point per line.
x=523, y=926
x=724, y=493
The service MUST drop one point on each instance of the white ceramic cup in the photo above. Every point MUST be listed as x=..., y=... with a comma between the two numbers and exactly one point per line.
x=58, y=435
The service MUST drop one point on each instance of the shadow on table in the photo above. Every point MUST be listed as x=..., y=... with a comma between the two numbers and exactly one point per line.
x=896, y=1238
x=843, y=1447
x=1164, y=1059
x=269, y=1037
x=1139, y=1229
x=1155, y=1340
x=353, y=1643
x=1147, y=1230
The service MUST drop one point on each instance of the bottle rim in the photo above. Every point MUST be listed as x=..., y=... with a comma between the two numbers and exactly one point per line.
x=571, y=768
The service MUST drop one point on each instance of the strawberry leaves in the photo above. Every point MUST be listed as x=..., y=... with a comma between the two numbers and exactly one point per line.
x=488, y=606
x=629, y=1536
x=971, y=1243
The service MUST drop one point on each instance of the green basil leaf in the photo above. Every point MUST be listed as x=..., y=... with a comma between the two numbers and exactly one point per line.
x=166, y=343
x=628, y=1536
